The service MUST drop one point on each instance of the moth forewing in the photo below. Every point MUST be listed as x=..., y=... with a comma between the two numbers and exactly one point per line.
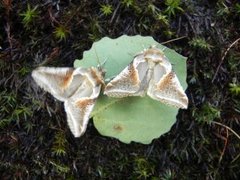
x=54, y=80
x=127, y=83
x=78, y=113
x=169, y=91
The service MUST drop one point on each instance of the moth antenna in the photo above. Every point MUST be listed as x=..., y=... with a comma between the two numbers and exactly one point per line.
x=164, y=48
x=98, y=61
x=100, y=65
x=103, y=63
x=153, y=46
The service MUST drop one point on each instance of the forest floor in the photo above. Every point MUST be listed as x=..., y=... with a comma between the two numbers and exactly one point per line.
x=35, y=141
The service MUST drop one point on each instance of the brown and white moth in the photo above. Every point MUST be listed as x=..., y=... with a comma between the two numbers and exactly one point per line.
x=150, y=72
x=77, y=88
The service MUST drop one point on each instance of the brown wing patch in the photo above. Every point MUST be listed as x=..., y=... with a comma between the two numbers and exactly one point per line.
x=66, y=79
x=97, y=76
x=168, y=85
x=128, y=79
x=84, y=103
x=165, y=83
x=133, y=74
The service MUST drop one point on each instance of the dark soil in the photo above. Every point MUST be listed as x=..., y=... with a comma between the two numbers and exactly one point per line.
x=35, y=142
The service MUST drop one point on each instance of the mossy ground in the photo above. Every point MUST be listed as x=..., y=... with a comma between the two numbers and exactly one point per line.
x=35, y=141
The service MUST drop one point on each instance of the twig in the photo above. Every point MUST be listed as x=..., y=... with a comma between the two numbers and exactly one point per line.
x=176, y=39
x=114, y=13
x=220, y=124
x=223, y=151
x=52, y=18
x=9, y=38
x=224, y=56
x=224, y=148
x=235, y=158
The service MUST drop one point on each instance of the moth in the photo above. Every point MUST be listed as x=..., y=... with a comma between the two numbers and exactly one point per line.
x=78, y=88
x=149, y=73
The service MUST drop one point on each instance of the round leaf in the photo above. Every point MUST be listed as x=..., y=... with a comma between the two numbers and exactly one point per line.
x=139, y=119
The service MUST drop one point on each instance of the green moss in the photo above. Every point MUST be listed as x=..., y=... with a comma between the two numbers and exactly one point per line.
x=234, y=88
x=61, y=33
x=143, y=169
x=207, y=113
x=29, y=16
x=59, y=144
x=128, y=3
x=237, y=8
x=60, y=168
x=106, y=9
x=172, y=7
x=168, y=175
x=200, y=43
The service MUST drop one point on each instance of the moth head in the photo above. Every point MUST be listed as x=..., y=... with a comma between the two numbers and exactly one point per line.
x=154, y=54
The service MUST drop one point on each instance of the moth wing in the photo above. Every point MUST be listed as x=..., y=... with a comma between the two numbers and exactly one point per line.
x=129, y=81
x=79, y=106
x=78, y=113
x=78, y=88
x=57, y=81
x=167, y=88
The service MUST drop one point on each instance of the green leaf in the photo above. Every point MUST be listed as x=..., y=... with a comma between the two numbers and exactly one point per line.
x=139, y=119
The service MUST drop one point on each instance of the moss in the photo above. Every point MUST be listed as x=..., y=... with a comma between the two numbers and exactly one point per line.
x=29, y=15
x=35, y=141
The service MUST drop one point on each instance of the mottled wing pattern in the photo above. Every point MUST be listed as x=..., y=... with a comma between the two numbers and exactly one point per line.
x=169, y=91
x=128, y=82
x=78, y=113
